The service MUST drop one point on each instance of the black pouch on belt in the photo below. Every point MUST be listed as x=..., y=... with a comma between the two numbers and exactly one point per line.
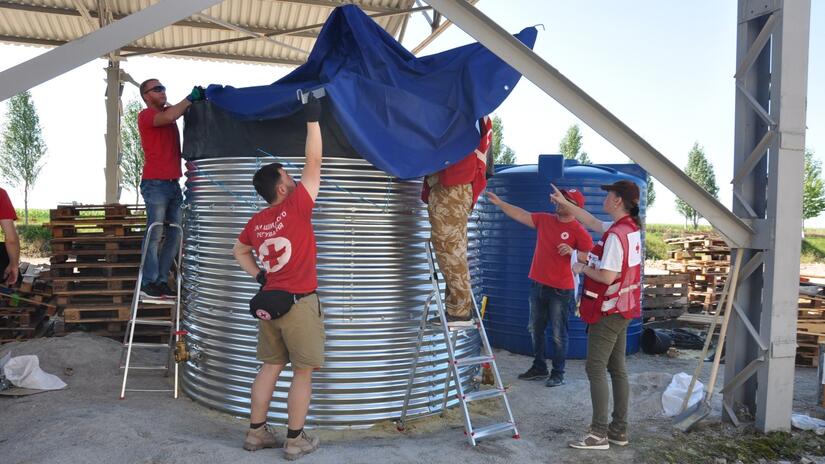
x=272, y=304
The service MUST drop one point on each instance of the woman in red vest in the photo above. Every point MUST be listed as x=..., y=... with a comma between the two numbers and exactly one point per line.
x=609, y=301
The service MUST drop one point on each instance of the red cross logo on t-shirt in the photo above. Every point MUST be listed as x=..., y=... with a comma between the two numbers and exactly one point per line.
x=275, y=253
x=638, y=248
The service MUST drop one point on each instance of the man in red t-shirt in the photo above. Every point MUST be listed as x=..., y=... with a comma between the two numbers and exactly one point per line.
x=282, y=237
x=551, y=294
x=159, y=186
x=450, y=195
x=10, y=253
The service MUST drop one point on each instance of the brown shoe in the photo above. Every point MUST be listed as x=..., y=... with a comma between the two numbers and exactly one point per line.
x=617, y=438
x=262, y=437
x=590, y=441
x=303, y=444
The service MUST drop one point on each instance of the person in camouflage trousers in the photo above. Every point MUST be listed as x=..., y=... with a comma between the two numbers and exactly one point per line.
x=450, y=195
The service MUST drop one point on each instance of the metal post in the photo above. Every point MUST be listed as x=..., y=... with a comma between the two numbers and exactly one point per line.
x=113, y=110
x=771, y=88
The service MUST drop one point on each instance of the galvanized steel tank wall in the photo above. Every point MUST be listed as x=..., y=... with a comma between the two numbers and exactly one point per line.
x=373, y=283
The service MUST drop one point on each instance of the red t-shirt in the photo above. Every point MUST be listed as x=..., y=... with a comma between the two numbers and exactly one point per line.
x=161, y=147
x=6, y=208
x=549, y=267
x=285, y=244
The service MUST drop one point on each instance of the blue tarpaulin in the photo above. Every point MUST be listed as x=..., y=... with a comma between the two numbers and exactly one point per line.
x=408, y=116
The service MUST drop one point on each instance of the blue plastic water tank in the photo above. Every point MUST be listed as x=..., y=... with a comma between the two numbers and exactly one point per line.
x=507, y=246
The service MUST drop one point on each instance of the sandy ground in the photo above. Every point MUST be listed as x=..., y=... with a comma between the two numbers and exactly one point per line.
x=86, y=423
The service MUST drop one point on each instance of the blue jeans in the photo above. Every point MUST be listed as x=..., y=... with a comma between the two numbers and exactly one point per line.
x=549, y=305
x=163, y=199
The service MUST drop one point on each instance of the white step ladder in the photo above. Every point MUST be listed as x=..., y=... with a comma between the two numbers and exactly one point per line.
x=486, y=357
x=175, y=346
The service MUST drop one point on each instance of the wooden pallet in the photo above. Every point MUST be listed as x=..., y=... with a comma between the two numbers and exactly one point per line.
x=665, y=296
x=107, y=211
x=114, y=313
x=62, y=285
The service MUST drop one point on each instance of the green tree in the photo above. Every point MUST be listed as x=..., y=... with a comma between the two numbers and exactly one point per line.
x=571, y=145
x=131, y=159
x=813, y=188
x=651, y=193
x=502, y=154
x=701, y=171
x=23, y=147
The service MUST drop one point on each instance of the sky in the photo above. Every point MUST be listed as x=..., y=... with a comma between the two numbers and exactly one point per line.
x=664, y=68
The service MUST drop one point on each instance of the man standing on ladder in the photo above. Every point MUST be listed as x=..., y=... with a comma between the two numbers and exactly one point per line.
x=450, y=195
x=283, y=239
x=552, y=292
x=159, y=186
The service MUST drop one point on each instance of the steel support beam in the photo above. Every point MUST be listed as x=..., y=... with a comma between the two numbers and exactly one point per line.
x=771, y=87
x=77, y=52
x=737, y=232
x=11, y=6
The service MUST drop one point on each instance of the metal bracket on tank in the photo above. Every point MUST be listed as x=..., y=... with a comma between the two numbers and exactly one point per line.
x=303, y=96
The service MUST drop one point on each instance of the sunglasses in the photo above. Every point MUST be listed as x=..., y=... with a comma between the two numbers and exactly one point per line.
x=157, y=88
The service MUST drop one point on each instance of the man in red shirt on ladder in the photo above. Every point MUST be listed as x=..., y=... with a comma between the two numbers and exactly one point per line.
x=159, y=186
x=450, y=195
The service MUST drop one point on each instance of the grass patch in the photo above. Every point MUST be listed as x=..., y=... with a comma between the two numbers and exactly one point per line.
x=655, y=246
x=813, y=249
x=36, y=216
x=722, y=441
x=34, y=240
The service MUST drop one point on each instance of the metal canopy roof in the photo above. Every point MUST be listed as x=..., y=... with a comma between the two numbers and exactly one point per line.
x=265, y=31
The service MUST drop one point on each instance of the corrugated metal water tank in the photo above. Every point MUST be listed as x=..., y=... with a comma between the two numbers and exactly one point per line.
x=508, y=248
x=373, y=283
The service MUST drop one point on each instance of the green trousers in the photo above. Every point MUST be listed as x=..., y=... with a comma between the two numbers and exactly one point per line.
x=606, y=343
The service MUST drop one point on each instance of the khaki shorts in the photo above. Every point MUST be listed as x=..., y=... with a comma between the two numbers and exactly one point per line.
x=297, y=337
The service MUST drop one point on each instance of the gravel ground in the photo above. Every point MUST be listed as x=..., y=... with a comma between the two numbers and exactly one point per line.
x=87, y=423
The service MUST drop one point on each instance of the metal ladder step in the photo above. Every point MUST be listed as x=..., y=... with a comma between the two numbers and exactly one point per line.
x=483, y=394
x=145, y=368
x=148, y=345
x=472, y=360
x=493, y=429
x=152, y=322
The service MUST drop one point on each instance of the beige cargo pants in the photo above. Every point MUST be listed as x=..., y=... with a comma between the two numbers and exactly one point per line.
x=449, y=208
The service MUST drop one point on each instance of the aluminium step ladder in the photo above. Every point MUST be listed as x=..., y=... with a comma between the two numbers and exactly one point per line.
x=175, y=346
x=486, y=357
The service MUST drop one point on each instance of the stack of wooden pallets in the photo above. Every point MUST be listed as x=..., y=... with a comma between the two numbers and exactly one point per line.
x=810, y=323
x=706, y=259
x=94, y=267
x=25, y=311
x=665, y=296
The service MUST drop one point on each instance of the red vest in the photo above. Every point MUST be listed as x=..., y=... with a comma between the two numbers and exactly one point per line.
x=470, y=170
x=625, y=290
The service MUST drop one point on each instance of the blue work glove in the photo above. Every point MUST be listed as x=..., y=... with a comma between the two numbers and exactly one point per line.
x=197, y=94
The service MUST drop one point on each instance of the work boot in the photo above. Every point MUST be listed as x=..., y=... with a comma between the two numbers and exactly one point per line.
x=299, y=446
x=166, y=291
x=262, y=437
x=533, y=374
x=590, y=441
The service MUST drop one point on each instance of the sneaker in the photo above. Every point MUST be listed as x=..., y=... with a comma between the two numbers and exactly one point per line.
x=617, y=438
x=165, y=290
x=554, y=381
x=590, y=441
x=262, y=437
x=533, y=374
x=150, y=293
x=302, y=445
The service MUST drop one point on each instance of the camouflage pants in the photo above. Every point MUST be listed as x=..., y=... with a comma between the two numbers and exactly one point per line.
x=449, y=208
